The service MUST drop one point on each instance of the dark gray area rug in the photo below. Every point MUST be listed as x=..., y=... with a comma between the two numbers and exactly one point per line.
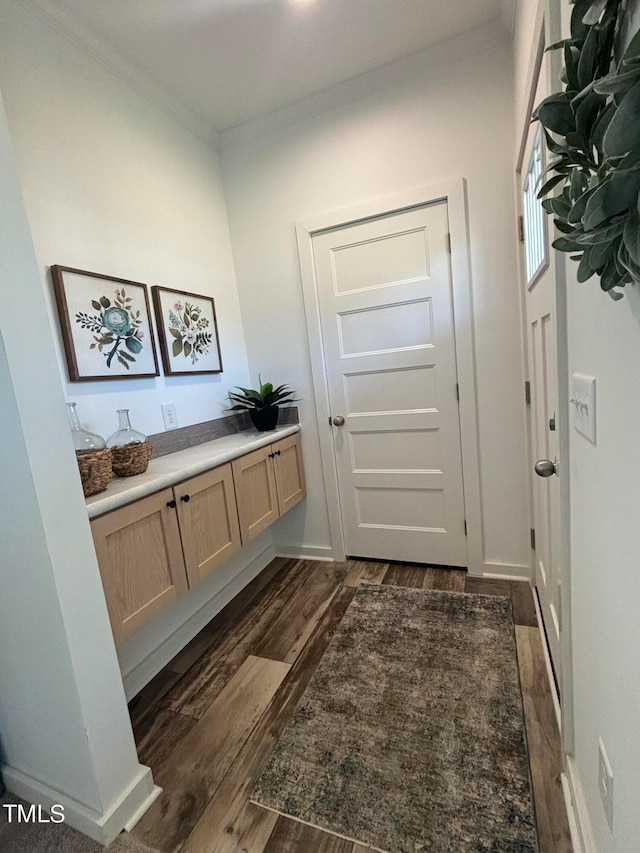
x=410, y=735
x=54, y=837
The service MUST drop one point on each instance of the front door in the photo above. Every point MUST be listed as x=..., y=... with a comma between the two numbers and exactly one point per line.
x=384, y=290
x=540, y=302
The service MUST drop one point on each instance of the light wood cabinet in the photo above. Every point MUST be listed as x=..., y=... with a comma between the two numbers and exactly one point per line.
x=152, y=551
x=208, y=520
x=269, y=482
x=141, y=561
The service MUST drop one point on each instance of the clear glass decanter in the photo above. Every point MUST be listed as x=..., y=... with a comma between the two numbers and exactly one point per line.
x=125, y=434
x=83, y=440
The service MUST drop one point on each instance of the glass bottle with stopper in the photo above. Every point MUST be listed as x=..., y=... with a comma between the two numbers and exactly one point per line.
x=125, y=435
x=83, y=440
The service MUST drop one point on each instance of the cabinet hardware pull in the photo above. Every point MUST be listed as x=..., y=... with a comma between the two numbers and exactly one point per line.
x=185, y=498
x=277, y=453
x=171, y=504
x=271, y=455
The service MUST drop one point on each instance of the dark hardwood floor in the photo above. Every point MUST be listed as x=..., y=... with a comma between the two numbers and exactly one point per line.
x=208, y=722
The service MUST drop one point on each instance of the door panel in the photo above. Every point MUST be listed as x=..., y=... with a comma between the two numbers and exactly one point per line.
x=540, y=304
x=208, y=521
x=289, y=472
x=256, y=492
x=141, y=562
x=384, y=291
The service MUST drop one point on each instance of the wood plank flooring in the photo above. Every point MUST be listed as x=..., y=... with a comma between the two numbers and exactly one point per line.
x=208, y=723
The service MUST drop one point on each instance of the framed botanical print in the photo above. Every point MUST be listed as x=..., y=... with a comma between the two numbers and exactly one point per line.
x=106, y=326
x=188, y=332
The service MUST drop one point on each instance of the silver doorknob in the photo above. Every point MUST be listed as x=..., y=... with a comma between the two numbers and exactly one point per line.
x=546, y=468
x=338, y=420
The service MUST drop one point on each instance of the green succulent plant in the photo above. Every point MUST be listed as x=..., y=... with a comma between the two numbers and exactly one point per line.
x=592, y=129
x=265, y=397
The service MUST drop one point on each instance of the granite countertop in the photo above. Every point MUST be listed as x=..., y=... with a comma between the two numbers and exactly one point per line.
x=176, y=467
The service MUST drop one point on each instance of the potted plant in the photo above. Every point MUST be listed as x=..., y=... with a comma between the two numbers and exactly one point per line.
x=262, y=405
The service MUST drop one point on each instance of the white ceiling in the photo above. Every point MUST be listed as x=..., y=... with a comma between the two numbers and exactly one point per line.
x=229, y=61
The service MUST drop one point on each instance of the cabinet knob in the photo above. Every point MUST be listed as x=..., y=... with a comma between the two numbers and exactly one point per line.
x=278, y=452
x=171, y=504
x=185, y=498
x=271, y=455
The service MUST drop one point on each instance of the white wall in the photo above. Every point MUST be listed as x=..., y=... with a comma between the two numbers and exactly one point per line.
x=113, y=185
x=64, y=726
x=452, y=119
x=604, y=341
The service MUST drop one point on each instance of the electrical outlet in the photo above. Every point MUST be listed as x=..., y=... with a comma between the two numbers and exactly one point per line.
x=605, y=783
x=170, y=416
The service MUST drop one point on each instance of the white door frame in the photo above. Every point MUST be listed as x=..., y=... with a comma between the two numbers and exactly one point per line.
x=453, y=191
x=548, y=30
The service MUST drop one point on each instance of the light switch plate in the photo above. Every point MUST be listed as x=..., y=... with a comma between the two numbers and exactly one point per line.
x=583, y=405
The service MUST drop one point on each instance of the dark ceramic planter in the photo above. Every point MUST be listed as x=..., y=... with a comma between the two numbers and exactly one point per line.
x=265, y=419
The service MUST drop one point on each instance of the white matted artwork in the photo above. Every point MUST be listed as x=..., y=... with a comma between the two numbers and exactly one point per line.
x=106, y=325
x=188, y=332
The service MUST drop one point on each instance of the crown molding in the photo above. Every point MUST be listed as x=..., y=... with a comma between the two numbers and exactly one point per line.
x=81, y=37
x=428, y=59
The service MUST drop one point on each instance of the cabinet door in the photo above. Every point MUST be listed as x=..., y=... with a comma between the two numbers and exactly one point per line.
x=255, y=492
x=141, y=563
x=208, y=521
x=289, y=473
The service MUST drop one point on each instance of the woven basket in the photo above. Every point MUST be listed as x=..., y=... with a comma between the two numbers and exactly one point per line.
x=131, y=459
x=95, y=471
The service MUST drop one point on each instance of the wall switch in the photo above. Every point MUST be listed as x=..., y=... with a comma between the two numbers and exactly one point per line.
x=170, y=416
x=583, y=405
x=605, y=783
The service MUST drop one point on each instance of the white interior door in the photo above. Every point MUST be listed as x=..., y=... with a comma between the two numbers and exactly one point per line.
x=384, y=291
x=540, y=301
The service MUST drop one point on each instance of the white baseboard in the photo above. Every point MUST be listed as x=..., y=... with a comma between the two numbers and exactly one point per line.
x=142, y=673
x=103, y=828
x=305, y=552
x=504, y=571
x=579, y=822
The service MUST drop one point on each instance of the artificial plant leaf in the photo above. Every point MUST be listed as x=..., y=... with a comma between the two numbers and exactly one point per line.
x=601, y=253
x=616, y=83
x=556, y=115
x=623, y=132
x=563, y=226
x=550, y=184
x=579, y=206
x=579, y=29
x=571, y=58
x=631, y=235
x=632, y=53
x=603, y=235
x=593, y=13
x=609, y=277
x=588, y=58
x=587, y=112
x=552, y=145
x=613, y=196
x=585, y=270
x=558, y=205
x=632, y=268
x=601, y=126
x=565, y=244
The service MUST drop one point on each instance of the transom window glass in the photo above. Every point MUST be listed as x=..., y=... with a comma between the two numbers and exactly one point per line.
x=535, y=235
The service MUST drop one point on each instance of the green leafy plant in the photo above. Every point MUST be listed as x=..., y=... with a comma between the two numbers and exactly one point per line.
x=267, y=396
x=592, y=129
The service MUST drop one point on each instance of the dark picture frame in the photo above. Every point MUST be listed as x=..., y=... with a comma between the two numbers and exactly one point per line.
x=188, y=332
x=106, y=326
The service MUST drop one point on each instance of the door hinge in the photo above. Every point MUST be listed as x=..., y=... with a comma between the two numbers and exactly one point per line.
x=521, y=229
x=457, y=392
x=527, y=392
x=465, y=527
x=533, y=539
x=448, y=238
x=552, y=423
